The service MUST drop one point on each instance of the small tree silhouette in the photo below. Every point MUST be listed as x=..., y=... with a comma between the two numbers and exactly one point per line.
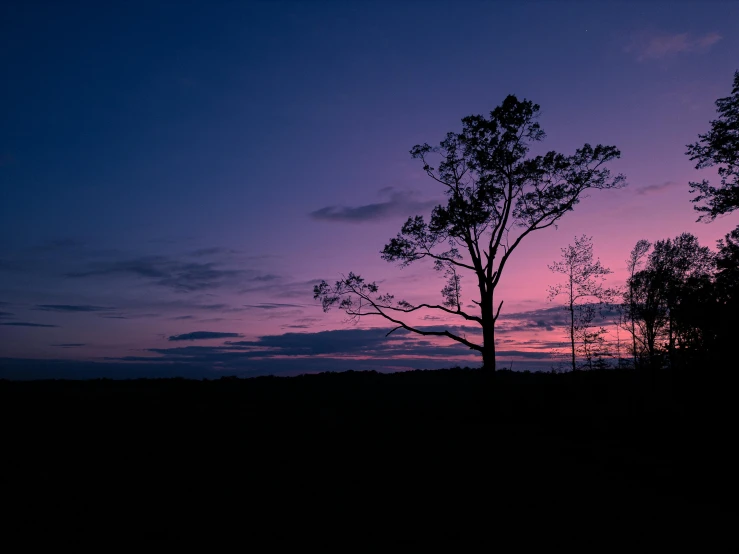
x=584, y=278
x=633, y=264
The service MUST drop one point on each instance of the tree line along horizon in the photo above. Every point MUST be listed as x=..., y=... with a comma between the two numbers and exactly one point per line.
x=680, y=304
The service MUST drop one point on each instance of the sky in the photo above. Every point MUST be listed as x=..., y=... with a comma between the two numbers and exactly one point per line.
x=175, y=177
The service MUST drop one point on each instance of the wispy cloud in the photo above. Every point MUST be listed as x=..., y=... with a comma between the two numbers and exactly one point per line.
x=212, y=251
x=70, y=345
x=545, y=319
x=26, y=324
x=302, y=323
x=130, y=315
x=174, y=274
x=281, y=289
x=398, y=203
x=72, y=308
x=656, y=188
x=272, y=306
x=203, y=335
x=658, y=45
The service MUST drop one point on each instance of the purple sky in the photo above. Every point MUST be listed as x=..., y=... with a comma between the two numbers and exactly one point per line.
x=175, y=177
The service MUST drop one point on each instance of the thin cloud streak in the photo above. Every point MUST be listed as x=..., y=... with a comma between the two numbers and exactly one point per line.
x=657, y=45
x=167, y=272
x=273, y=306
x=26, y=324
x=70, y=308
x=400, y=203
x=203, y=335
x=657, y=188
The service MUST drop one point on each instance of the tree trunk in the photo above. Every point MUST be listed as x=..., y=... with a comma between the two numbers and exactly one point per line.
x=633, y=322
x=671, y=338
x=488, y=329
x=488, y=348
x=488, y=358
x=651, y=340
x=572, y=327
x=618, y=341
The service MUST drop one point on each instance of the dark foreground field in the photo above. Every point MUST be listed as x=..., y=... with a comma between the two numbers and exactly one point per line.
x=444, y=456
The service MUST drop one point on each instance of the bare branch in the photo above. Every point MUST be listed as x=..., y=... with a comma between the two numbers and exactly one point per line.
x=393, y=329
x=497, y=313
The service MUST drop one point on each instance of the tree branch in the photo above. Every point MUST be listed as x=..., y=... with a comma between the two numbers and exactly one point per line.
x=445, y=333
x=497, y=313
x=393, y=330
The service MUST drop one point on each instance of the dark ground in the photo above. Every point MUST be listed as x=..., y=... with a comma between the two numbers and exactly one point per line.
x=434, y=456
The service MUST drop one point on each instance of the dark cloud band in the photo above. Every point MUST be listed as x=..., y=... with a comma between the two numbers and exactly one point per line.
x=203, y=335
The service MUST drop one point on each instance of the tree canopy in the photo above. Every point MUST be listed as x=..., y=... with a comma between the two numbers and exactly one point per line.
x=668, y=297
x=719, y=147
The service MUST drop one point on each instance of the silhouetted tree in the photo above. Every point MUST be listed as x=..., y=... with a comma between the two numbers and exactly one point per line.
x=664, y=296
x=618, y=323
x=682, y=266
x=584, y=278
x=632, y=265
x=726, y=291
x=727, y=267
x=719, y=147
x=592, y=344
x=694, y=321
x=496, y=196
x=648, y=311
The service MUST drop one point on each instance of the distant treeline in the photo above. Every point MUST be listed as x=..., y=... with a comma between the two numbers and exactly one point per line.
x=679, y=309
x=684, y=304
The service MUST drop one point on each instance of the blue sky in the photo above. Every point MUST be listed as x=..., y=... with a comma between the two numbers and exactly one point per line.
x=170, y=168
